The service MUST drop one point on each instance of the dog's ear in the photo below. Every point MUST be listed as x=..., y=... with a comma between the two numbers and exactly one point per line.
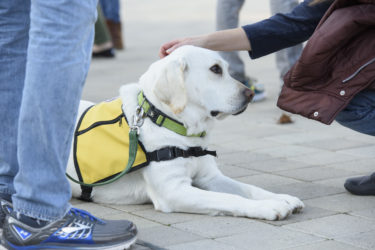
x=170, y=85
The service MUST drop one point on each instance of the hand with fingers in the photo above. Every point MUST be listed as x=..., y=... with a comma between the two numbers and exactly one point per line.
x=223, y=40
x=169, y=47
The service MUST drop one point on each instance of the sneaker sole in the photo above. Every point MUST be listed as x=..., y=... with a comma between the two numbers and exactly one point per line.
x=120, y=246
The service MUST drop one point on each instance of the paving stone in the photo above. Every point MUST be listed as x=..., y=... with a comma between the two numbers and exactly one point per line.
x=220, y=138
x=136, y=246
x=303, y=126
x=218, y=226
x=305, y=190
x=249, y=144
x=261, y=131
x=221, y=149
x=360, y=166
x=335, y=144
x=366, y=213
x=144, y=245
x=344, y=132
x=344, y=203
x=271, y=128
x=140, y=222
x=325, y=158
x=263, y=236
x=366, y=152
x=289, y=151
x=131, y=208
x=275, y=165
x=360, y=137
x=308, y=213
x=326, y=245
x=96, y=209
x=302, y=138
x=334, y=226
x=168, y=218
x=166, y=236
x=234, y=171
x=75, y=202
x=365, y=240
x=316, y=173
x=202, y=245
x=241, y=158
x=266, y=180
x=337, y=183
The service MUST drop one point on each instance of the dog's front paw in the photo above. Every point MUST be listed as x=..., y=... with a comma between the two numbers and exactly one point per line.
x=295, y=203
x=271, y=210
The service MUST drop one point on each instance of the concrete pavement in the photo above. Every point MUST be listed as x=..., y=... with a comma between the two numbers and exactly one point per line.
x=305, y=159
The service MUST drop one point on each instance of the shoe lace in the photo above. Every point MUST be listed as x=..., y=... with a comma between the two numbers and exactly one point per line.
x=84, y=214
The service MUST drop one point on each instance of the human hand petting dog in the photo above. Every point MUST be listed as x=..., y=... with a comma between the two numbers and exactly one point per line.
x=169, y=47
x=223, y=40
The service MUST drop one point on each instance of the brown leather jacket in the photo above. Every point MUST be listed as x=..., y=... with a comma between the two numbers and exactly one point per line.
x=337, y=62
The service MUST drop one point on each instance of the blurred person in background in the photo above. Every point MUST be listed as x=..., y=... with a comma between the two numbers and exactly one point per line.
x=227, y=17
x=103, y=46
x=111, y=11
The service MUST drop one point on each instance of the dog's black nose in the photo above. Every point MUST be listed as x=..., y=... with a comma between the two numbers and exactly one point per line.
x=249, y=94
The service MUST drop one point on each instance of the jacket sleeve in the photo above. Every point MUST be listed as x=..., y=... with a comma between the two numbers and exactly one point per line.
x=284, y=30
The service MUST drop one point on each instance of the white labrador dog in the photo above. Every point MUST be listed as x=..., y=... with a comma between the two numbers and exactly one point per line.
x=193, y=86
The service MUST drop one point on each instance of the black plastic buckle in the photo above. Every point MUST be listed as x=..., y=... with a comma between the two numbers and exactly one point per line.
x=153, y=115
x=165, y=154
x=86, y=194
x=195, y=151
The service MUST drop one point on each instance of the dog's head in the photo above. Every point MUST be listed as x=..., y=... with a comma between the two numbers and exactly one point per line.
x=193, y=85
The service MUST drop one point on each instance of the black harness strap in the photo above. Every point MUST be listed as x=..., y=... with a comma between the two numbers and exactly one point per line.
x=163, y=154
x=86, y=194
x=170, y=153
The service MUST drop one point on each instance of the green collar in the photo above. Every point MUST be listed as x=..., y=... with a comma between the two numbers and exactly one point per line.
x=161, y=119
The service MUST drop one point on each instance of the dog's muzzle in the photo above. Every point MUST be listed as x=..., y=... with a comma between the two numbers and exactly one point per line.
x=249, y=94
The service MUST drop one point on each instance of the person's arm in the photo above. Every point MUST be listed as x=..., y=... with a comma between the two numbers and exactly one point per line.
x=261, y=38
x=224, y=40
x=284, y=30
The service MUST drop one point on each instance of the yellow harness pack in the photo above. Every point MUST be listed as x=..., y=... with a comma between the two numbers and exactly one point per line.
x=101, y=143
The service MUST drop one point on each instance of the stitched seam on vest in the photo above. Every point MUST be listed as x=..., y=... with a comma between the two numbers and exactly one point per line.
x=76, y=166
x=96, y=124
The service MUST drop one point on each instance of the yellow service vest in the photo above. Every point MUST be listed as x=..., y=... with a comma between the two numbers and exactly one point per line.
x=101, y=143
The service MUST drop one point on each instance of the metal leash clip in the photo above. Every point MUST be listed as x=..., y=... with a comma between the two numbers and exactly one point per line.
x=138, y=118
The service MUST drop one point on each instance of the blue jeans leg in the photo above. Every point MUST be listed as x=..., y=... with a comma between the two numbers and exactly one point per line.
x=359, y=115
x=285, y=58
x=111, y=10
x=14, y=23
x=227, y=17
x=58, y=57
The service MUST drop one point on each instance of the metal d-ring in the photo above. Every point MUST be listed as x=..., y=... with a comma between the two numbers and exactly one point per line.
x=138, y=118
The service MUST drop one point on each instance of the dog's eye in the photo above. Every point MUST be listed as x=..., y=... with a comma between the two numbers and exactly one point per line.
x=216, y=69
